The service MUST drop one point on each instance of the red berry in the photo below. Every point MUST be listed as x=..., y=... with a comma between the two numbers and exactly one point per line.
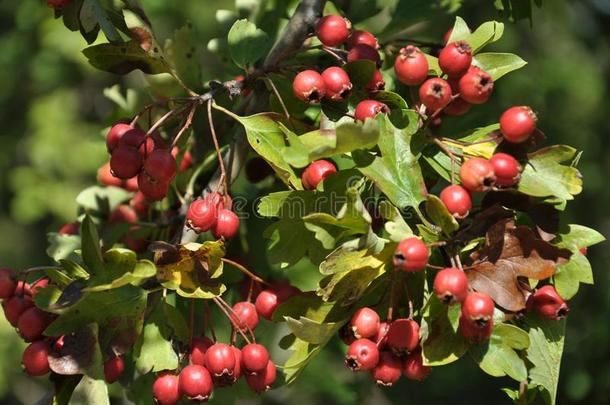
x=187, y=159
x=478, y=307
x=201, y=215
x=266, y=303
x=153, y=189
x=333, y=30
x=160, y=165
x=369, y=109
x=411, y=66
x=254, y=358
x=455, y=58
x=195, y=383
x=134, y=138
x=362, y=354
x=411, y=255
x=506, y=169
x=548, y=303
x=57, y=3
x=106, y=178
x=32, y=323
x=382, y=335
x=237, y=368
x=115, y=133
x=451, y=285
x=285, y=291
x=458, y=106
x=71, y=228
x=261, y=382
x=199, y=346
x=165, y=389
x=337, y=83
x=227, y=224
x=123, y=214
x=316, y=172
x=15, y=306
x=376, y=83
x=413, y=366
x=309, y=86
x=23, y=288
x=388, y=370
x=477, y=174
x=35, y=358
x=473, y=331
x=7, y=284
x=447, y=35
x=244, y=316
x=139, y=203
x=113, y=369
x=365, y=323
x=457, y=200
x=126, y=162
x=220, y=360
x=362, y=38
x=403, y=336
x=364, y=52
x=435, y=93
x=38, y=285
x=518, y=123
x=476, y=86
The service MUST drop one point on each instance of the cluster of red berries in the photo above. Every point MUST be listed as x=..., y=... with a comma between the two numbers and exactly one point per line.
x=213, y=212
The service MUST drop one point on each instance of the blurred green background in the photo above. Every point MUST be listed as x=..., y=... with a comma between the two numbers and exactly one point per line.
x=53, y=111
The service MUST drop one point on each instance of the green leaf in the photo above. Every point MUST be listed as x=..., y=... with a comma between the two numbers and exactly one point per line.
x=94, y=16
x=395, y=224
x=90, y=391
x=183, y=53
x=498, y=64
x=460, y=30
x=569, y=275
x=440, y=216
x=391, y=99
x=312, y=331
x=62, y=246
x=486, y=33
x=102, y=199
x=121, y=268
x=360, y=72
x=247, y=43
x=442, y=343
x=578, y=237
x=92, y=254
x=310, y=306
x=433, y=67
x=64, y=386
x=122, y=58
x=344, y=260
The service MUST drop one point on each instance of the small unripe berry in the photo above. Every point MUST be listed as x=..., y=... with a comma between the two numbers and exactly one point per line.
x=161, y=165
x=517, y=124
x=455, y=58
x=254, y=358
x=362, y=38
x=227, y=224
x=478, y=308
x=165, y=389
x=376, y=83
x=113, y=369
x=152, y=188
x=411, y=66
x=220, y=360
x=266, y=303
x=362, y=354
x=473, y=331
x=364, y=52
x=32, y=323
x=388, y=370
x=403, y=336
x=333, y=30
x=309, y=86
x=71, y=228
x=476, y=86
x=195, y=383
x=435, y=93
x=201, y=215
x=365, y=323
x=337, y=83
x=199, y=346
x=451, y=286
x=411, y=255
x=261, y=382
x=369, y=109
x=316, y=172
x=15, y=306
x=457, y=200
x=126, y=162
x=548, y=303
x=477, y=174
x=506, y=169
x=35, y=358
x=413, y=366
x=7, y=284
x=458, y=106
x=244, y=316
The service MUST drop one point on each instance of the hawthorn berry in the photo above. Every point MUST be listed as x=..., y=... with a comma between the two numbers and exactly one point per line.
x=7, y=284
x=457, y=200
x=227, y=224
x=32, y=323
x=369, y=109
x=333, y=30
x=365, y=323
x=411, y=66
x=35, y=359
x=388, y=370
x=458, y=106
x=411, y=255
x=506, y=168
x=165, y=389
x=261, y=382
x=362, y=38
x=113, y=369
x=477, y=174
x=201, y=215
x=115, y=133
x=187, y=159
x=15, y=306
x=266, y=303
x=254, y=358
x=382, y=335
x=199, y=346
x=447, y=35
x=134, y=138
x=238, y=360
x=548, y=303
x=23, y=288
x=195, y=383
x=455, y=58
x=451, y=285
x=413, y=366
x=160, y=165
x=402, y=336
x=316, y=172
x=38, y=285
x=71, y=228
x=362, y=354
x=518, y=123
x=473, y=331
x=476, y=86
x=125, y=162
x=139, y=203
x=106, y=178
x=376, y=83
x=364, y=52
x=244, y=316
x=309, y=86
x=478, y=308
x=123, y=214
x=153, y=189
x=337, y=83
x=220, y=360
x=435, y=93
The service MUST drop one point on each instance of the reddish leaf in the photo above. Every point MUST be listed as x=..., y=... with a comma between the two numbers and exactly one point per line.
x=76, y=354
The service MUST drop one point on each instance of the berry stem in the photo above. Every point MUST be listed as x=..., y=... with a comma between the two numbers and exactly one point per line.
x=223, y=171
x=187, y=124
x=279, y=97
x=333, y=52
x=448, y=152
x=244, y=270
x=208, y=317
x=228, y=311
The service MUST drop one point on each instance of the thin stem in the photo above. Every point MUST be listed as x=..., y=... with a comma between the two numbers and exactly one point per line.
x=186, y=125
x=204, y=166
x=160, y=121
x=208, y=316
x=448, y=153
x=334, y=54
x=245, y=271
x=217, y=147
x=229, y=313
x=250, y=290
x=279, y=97
x=458, y=261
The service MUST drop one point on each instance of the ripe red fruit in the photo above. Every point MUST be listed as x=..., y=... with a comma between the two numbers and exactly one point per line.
x=7, y=284
x=35, y=358
x=518, y=123
x=201, y=215
x=220, y=360
x=473, y=331
x=411, y=66
x=362, y=38
x=364, y=52
x=403, y=336
x=413, y=366
x=548, y=303
x=195, y=383
x=165, y=389
x=187, y=159
x=113, y=369
x=316, y=172
x=365, y=323
x=478, y=307
x=134, y=138
x=477, y=174
x=237, y=368
x=106, y=178
x=115, y=133
x=362, y=354
x=411, y=255
x=476, y=86
x=15, y=306
x=38, y=285
x=153, y=189
x=337, y=83
x=139, y=203
x=254, y=358
x=506, y=169
x=382, y=335
x=126, y=162
x=333, y=30
x=369, y=109
x=244, y=316
x=71, y=228
x=32, y=323
x=451, y=285
x=457, y=200
x=266, y=303
x=123, y=214
x=435, y=93
x=57, y=3
x=261, y=382
x=447, y=35
x=160, y=165
x=309, y=86
x=458, y=106
x=227, y=224
x=199, y=346
x=376, y=83
x=455, y=58
x=388, y=370
x=23, y=288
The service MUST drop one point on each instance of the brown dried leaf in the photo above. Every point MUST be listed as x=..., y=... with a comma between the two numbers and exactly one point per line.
x=76, y=353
